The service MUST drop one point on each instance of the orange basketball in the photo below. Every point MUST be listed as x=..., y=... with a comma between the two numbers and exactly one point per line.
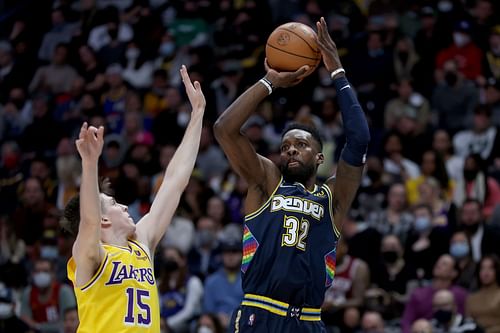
x=291, y=46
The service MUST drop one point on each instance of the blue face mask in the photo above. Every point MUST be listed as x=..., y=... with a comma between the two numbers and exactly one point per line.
x=459, y=250
x=422, y=224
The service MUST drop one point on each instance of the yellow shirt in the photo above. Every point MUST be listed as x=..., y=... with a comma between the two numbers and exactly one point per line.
x=122, y=296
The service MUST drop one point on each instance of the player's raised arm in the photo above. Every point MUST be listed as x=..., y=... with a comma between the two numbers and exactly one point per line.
x=352, y=158
x=87, y=250
x=257, y=170
x=152, y=226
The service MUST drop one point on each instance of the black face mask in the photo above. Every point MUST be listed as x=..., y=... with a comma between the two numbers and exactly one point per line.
x=373, y=175
x=470, y=175
x=471, y=228
x=390, y=257
x=443, y=316
x=170, y=265
x=451, y=78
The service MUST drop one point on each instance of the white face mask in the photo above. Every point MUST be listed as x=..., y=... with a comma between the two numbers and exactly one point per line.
x=42, y=279
x=132, y=53
x=205, y=329
x=460, y=39
x=5, y=310
x=49, y=252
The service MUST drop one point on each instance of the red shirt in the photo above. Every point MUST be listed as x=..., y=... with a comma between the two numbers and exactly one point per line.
x=49, y=310
x=468, y=59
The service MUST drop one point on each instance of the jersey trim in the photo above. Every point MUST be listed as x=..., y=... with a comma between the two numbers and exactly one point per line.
x=139, y=245
x=330, y=204
x=96, y=275
x=281, y=308
x=265, y=204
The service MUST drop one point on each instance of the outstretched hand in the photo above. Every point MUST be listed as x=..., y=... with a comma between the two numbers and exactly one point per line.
x=90, y=141
x=285, y=79
x=327, y=47
x=195, y=95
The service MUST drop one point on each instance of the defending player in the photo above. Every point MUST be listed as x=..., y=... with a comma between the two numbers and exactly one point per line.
x=111, y=267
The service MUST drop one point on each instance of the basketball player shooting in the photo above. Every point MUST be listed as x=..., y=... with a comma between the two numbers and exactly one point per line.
x=292, y=225
x=111, y=267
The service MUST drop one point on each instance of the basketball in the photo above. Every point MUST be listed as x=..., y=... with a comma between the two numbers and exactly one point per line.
x=291, y=46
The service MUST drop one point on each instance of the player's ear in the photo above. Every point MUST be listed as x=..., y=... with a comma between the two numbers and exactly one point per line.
x=320, y=158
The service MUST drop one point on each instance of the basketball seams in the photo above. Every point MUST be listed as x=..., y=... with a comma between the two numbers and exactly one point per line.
x=305, y=41
x=293, y=54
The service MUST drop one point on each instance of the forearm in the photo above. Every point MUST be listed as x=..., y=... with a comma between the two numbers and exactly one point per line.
x=90, y=207
x=233, y=118
x=355, y=124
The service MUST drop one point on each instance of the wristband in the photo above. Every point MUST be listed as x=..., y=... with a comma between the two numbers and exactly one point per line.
x=336, y=72
x=267, y=84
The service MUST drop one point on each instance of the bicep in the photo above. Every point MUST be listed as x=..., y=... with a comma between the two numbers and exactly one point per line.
x=344, y=190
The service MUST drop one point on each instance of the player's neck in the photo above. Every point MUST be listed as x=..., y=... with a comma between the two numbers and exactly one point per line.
x=113, y=239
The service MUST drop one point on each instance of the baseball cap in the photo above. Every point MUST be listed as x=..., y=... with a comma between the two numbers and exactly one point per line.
x=463, y=26
x=230, y=244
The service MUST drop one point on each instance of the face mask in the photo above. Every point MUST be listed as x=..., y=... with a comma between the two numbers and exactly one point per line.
x=42, y=279
x=451, y=78
x=5, y=310
x=167, y=49
x=459, y=250
x=390, y=257
x=422, y=224
x=470, y=175
x=132, y=53
x=170, y=265
x=49, y=252
x=205, y=237
x=460, y=39
x=445, y=6
x=205, y=329
x=471, y=228
x=443, y=316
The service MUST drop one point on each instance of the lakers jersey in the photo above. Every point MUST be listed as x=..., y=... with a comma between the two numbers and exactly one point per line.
x=122, y=295
x=289, y=246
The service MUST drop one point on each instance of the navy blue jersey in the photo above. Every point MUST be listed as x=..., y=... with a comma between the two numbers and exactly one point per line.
x=289, y=246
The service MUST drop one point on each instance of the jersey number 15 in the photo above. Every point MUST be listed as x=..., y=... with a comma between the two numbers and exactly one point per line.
x=138, y=296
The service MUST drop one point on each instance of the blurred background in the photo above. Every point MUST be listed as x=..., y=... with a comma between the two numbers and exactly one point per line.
x=426, y=217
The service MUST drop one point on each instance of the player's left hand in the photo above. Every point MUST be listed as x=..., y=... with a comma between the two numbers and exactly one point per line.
x=195, y=95
x=327, y=47
x=285, y=79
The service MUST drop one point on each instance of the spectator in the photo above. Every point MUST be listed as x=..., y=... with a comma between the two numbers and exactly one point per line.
x=56, y=77
x=395, y=164
x=395, y=219
x=211, y=160
x=421, y=299
x=447, y=319
x=372, y=322
x=484, y=305
x=137, y=69
x=464, y=51
x=204, y=258
x=454, y=164
x=12, y=248
x=352, y=280
x=90, y=69
x=408, y=103
x=10, y=175
x=70, y=321
x=421, y=326
x=492, y=67
x=45, y=301
x=483, y=139
x=454, y=98
x=461, y=252
x=9, y=321
x=180, y=293
x=223, y=291
x=208, y=323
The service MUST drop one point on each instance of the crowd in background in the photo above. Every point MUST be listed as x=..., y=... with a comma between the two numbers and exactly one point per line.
x=419, y=251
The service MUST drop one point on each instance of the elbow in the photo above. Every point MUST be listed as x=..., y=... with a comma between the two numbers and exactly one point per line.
x=220, y=130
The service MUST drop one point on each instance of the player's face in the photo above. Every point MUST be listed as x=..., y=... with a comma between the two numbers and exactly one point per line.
x=118, y=215
x=300, y=156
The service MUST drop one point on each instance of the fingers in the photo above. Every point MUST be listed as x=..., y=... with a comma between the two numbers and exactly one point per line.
x=83, y=130
x=185, y=77
x=266, y=65
x=100, y=133
x=197, y=85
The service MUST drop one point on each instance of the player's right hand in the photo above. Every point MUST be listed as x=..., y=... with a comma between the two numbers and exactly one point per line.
x=90, y=142
x=285, y=79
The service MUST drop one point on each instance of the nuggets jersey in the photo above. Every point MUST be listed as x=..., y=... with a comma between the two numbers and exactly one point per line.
x=289, y=246
x=122, y=295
